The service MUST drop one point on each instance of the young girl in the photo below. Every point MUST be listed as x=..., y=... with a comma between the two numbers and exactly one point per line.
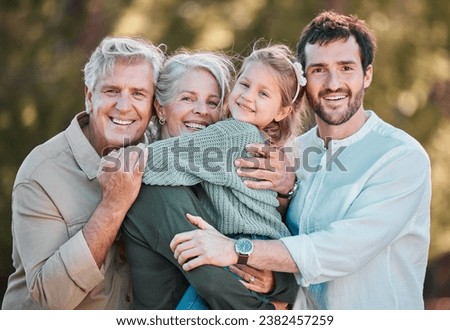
x=265, y=107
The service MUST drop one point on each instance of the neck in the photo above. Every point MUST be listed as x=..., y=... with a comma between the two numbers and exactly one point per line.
x=329, y=132
x=99, y=147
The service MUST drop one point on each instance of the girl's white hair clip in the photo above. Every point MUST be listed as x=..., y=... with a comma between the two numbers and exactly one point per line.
x=301, y=80
x=299, y=72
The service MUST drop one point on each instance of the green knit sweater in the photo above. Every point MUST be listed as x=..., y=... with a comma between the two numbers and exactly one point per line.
x=207, y=157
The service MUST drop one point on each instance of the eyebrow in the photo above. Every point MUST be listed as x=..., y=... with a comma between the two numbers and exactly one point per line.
x=186, y=91
x=321, y=65
x=139, y=89
x=194, y=93
x=108, y=86
x=260, y=85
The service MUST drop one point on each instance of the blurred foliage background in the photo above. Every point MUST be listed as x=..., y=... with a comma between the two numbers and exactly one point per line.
x=44, y=44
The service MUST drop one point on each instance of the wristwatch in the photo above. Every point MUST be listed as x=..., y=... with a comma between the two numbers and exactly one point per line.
x=244, y=248
x=291, y=193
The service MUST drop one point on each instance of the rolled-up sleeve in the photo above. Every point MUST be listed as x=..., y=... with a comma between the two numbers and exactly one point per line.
x=393, y=203
x=303, y=252
x=81, y=266
x=60, y=269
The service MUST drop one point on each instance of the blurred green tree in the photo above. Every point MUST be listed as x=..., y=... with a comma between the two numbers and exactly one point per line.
x=44, y=45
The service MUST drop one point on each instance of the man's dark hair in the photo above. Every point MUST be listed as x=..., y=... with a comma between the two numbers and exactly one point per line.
x=329, y=26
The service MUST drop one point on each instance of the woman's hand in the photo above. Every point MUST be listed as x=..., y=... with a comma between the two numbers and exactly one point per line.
x=261, y=281
x=257, y=280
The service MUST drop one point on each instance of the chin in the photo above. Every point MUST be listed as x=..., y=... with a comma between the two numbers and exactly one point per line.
x=241, y=117
x=121, y=141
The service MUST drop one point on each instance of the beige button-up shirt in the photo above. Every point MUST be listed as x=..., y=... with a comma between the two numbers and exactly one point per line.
x=54, y=195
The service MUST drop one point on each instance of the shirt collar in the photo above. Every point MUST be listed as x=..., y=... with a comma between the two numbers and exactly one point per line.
x=355, y=137
x=84, y=153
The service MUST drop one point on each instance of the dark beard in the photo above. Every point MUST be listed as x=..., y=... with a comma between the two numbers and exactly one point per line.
x=353, y=106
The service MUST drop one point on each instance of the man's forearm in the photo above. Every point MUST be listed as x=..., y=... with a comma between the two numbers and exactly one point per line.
x=206, y=246
x=101, y=230
x=272, y=255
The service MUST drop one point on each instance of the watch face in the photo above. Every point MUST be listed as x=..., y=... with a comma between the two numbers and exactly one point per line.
x=244, y=246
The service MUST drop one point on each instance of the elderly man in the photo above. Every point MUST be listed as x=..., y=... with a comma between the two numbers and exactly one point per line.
x=72, y=192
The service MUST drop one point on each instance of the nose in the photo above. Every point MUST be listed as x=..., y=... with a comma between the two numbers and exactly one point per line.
x=123, y=102
x=246, y=95
x=333, y=80
x=200, y=108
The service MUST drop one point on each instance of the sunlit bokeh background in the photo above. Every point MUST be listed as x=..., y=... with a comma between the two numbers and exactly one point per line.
x=44, y=45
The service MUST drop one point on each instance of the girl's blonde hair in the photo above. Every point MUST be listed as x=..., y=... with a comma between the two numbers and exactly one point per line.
x=281, y=59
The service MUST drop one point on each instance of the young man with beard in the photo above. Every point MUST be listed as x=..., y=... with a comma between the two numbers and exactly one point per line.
x=360, y=217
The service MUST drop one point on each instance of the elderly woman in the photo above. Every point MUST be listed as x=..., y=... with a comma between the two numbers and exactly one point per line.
x=190, y=94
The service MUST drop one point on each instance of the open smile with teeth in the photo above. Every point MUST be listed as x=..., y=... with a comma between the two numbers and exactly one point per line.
x=122, y=122
x=335, y=98
x=243, y=107
x=195, y=126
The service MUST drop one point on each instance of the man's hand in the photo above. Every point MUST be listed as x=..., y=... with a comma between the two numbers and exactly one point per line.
x=272, y=167
x=205, y=246
x=120, y=175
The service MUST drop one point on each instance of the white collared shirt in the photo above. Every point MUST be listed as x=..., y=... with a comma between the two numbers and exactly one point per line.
x=362, y=211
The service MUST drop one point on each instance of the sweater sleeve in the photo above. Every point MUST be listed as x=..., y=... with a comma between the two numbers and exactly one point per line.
x=207, y=155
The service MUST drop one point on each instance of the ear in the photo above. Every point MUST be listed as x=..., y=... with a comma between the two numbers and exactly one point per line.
x=283, y=113
x=88, y=99
x=225, y=109
x=160, y=110
x=368, y=76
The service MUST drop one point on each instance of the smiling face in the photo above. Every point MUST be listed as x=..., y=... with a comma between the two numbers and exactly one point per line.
x=256, y=96
x=120, y=106
x=194, y=107
x=336, y=81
